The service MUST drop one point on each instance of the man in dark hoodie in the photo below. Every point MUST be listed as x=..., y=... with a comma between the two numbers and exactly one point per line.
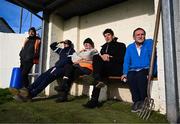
x=108, y=63
x=51, y=74
x=28, y=53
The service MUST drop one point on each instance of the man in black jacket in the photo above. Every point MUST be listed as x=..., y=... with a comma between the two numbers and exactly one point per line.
x=108, y=63
x=29, y=51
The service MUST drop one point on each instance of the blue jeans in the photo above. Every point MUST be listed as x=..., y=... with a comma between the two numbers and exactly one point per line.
x=44, y=80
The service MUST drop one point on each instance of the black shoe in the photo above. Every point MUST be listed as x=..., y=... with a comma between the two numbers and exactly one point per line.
x=57, y=88
x=91, y=104
x=61, y=99
x=137, y=106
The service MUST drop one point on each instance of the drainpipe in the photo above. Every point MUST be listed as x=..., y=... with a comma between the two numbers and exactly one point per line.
x=169, y=44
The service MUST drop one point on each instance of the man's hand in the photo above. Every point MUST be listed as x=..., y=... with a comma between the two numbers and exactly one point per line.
x=106, y=57
x=124, y=78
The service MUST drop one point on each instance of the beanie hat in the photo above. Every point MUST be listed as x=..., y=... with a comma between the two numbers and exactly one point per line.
x=88, y=40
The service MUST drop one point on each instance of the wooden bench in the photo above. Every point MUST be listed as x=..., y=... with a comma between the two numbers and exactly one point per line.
x=116, y=89
x=84, y=85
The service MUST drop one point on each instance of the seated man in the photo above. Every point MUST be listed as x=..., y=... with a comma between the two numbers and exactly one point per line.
x=50, y=75
x=108, y=63
x=136, y=67
x=82, y=66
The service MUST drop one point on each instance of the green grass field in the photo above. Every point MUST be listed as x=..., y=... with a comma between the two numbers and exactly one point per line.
x=46, y=110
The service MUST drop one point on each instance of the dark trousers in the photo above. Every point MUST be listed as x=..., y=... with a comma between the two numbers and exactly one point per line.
x=137, y=81
x=44, y=79
x=101, y=70
x=25, y=69
x=72, y=72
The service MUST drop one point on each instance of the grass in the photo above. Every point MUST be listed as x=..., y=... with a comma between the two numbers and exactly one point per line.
x=46, y=110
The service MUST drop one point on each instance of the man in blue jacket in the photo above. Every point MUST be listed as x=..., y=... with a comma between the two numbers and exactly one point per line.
x=136, y=67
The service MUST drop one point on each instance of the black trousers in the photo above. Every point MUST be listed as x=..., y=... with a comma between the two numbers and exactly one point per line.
x=101, y=71
x=73, y=72
x=25, y=69
x=137, y=81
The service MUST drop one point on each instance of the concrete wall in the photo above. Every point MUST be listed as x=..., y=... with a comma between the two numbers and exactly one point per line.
x=10, y=46
x=123, y=19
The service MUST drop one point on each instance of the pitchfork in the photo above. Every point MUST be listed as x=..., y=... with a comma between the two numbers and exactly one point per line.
x=149, y=105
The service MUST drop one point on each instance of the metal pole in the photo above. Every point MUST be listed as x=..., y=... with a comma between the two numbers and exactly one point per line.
x=21, y=16
x=170, y=61
x=41, y=50
x=31, y=20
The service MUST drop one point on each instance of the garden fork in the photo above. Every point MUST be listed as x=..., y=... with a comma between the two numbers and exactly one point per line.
x=149, y=105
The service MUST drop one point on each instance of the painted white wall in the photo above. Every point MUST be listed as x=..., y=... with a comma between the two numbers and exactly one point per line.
x=71, y=31
x=10, y=46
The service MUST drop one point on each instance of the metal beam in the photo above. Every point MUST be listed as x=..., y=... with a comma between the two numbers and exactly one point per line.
x=170, y=61
x=19, y=3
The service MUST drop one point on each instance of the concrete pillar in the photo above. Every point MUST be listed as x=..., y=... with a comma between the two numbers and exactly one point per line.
x=176, y=10
x=170, y=40
x=55, y=34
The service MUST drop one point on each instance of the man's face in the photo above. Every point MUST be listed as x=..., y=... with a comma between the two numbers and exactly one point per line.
x=31, y=33
x=66, y=44
x=139, y=36
x=87, y=46
x=108, y=37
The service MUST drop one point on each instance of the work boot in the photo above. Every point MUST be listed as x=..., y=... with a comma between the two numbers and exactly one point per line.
x=14, y=91
x=91, y=104
x=57, y=88
x=21, y=98
x=63, y=97
x=24, y=92
x=137, y=106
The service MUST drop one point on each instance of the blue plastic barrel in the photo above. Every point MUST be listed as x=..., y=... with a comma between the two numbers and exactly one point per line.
x=16, y=79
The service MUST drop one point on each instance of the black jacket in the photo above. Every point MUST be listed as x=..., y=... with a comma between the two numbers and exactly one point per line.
x=27, y=52
x=116, y=50
x=64, y=57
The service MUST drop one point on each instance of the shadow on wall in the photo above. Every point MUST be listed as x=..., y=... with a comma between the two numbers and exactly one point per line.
x=122, y=11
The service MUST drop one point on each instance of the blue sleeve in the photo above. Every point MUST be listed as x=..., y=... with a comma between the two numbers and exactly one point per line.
x=127, y=61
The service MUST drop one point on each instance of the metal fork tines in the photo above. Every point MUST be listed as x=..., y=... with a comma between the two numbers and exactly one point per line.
x=147, y=108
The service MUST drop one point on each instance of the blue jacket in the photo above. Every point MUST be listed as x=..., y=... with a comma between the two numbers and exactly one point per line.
x=64, y=57
x=133, y=62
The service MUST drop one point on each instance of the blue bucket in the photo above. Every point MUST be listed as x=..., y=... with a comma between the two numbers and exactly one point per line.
x=16, y=79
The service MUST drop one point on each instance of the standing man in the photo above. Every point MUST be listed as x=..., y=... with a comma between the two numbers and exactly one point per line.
x=108, y=63
x=29, y=55
x=136, y=67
